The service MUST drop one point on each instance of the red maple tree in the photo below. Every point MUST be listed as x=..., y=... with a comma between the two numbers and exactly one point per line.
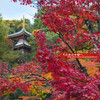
x=72, y=20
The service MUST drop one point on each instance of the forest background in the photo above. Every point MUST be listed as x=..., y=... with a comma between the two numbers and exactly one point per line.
x=46, y=73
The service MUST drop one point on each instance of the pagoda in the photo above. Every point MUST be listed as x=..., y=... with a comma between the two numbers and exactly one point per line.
x=21, y=40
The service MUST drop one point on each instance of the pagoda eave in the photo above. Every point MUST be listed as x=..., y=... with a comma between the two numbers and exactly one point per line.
x=22, y=45
x=22, y=32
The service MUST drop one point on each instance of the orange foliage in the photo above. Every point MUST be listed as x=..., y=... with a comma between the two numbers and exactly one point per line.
x=91, y=67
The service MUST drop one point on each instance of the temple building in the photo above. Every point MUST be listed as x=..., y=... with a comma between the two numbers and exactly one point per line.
x=21, y=40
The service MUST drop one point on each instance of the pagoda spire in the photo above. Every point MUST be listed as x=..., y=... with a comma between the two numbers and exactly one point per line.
x=23, y=23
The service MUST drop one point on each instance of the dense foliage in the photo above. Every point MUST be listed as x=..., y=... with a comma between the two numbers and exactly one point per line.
x=6, y=52
x=73, y=21
x=16, y=25
x=68, y=80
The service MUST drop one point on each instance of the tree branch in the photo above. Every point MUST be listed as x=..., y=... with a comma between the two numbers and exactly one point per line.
x=83, y=68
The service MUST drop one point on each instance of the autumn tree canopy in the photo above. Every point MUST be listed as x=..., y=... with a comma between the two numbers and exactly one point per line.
x=75, y=21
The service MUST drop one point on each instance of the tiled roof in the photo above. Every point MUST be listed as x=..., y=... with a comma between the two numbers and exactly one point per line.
x=19, y=33
x=22, y=42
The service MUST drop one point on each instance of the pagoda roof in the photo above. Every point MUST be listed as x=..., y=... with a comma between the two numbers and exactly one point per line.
x=23, y=42
x=19, y=33
x=22, y=45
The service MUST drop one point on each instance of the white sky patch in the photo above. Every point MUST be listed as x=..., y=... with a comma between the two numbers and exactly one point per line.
x=11, y=10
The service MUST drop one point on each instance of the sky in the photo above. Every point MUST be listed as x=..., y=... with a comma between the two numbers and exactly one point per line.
x=11, y=10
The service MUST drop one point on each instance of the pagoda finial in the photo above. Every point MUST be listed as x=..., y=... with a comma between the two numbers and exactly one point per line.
x=23, y=23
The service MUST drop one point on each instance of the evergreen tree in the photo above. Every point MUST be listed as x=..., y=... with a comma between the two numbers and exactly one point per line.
x=6, y=52
x=3, y=33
